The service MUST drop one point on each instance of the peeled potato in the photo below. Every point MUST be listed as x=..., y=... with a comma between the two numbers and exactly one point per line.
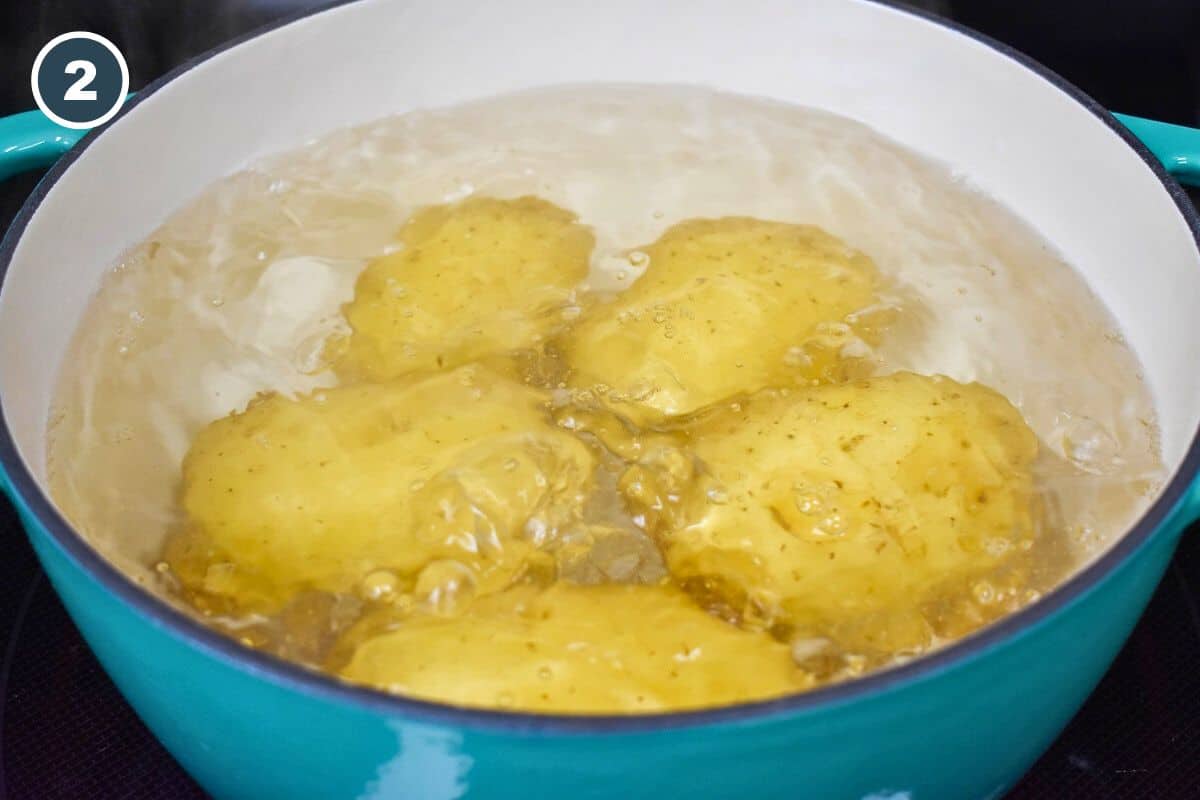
x=569, y=648
x=474, y=279
x=847, y=511
x=725, y=306
x=450, y=479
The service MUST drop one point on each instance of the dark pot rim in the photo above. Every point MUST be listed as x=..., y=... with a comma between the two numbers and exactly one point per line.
x=327, y=688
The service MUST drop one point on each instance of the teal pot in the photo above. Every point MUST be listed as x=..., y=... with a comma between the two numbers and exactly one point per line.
x=965, y=722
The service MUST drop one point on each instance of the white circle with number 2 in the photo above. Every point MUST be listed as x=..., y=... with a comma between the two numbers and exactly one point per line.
x=78, y=90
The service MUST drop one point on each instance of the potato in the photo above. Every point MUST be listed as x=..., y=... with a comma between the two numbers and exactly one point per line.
x=725, y=306
x=474, y=279
x=570, y=648
x=850, y=511
x=454, y=477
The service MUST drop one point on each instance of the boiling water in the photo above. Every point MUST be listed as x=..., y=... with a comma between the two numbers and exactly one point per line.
x=238, y=293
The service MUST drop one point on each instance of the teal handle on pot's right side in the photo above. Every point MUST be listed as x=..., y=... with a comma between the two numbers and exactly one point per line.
x=31, y=141
x=1176, y=146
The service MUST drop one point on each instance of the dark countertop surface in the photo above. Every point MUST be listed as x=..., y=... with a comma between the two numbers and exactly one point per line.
x=65, y=732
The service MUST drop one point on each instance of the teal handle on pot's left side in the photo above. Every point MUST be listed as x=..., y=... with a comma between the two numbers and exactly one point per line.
x=1176, y=146
x=31, y=141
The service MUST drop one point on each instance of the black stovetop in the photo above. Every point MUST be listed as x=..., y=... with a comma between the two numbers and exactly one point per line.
x=65, y=732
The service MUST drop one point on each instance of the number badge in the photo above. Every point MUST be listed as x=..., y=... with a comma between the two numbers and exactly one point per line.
x=80, y=80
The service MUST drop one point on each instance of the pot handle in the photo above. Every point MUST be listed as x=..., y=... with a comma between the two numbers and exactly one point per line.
x=1176, y=146
x=31, y=141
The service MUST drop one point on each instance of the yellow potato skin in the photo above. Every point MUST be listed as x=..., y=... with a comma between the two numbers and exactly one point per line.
x=578, y=649
x=473, y=279
x=315, y=493
x=843, y=510
x=439, y=528
x=725, y=306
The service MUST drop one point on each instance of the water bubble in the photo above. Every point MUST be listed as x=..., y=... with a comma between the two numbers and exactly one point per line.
x=446, y=586
x=379, y=585
x=855, y=664
x=622, y=568
x=537, y=531
x=808, y=502
x=855, y=348
x=796, y=357
x=832, y=525
x=309, y=356
x=218, y=576
x=984, y=592
x=804, y=649
x=717, y=496
x=1088, y=445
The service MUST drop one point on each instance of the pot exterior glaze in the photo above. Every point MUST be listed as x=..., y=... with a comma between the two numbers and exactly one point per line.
x=964, y=722
x=969, y=730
